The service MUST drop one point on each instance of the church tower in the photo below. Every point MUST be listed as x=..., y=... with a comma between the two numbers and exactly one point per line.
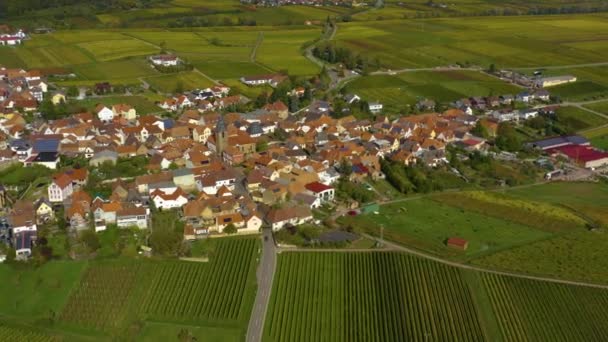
x=220, y=136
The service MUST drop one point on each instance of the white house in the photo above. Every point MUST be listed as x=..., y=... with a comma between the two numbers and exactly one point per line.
x=165, y=60
x=211, y=183
x=375, y=107
x=281, y=217
x=104, y=113
x=60, y=189
x=253, y=223
x=321, y=191
x=163, y=200
x=10, y=40
x=133, y=217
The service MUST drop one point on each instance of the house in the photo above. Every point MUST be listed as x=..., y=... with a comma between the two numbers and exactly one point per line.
x=10, y=40
x=167, y=200
x=375, y=107
x=44, y=210
x=78, y=217
x=311, y=201
x=278, y=218
x=165, y=60
x=23, y=243
x=104, y=113
x=457, y=243
x=133, y=217
x=184, y=178
x=60, y=189
x=58, y=98
x=107, y=211
x=324, y=193
x=48, y=159
x=124, y=111
x=104, y=156
x=271, y=79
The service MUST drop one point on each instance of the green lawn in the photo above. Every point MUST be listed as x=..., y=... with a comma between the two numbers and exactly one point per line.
x=188, y=80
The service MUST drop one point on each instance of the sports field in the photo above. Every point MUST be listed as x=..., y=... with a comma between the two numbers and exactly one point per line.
x=506, y=41
x=396, y=91
x=385, y=296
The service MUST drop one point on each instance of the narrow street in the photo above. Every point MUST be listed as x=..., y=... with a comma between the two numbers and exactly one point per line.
x=265, y=276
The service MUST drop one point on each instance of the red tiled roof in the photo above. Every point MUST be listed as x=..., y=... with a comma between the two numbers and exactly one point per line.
x=317, y=187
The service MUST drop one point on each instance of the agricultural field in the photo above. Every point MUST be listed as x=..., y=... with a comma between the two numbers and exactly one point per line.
x=395, y=91
x=577, y=254
x=23, y=334
x=185, y=80
x=598, y=137
x=576, y=119
x=368, y=297
x=601, y=107
x=506, y=41
x=142, y=104
x=426, y=224
x=579, y=91
x=41, y=290
x=215, y=294
x=385, y=296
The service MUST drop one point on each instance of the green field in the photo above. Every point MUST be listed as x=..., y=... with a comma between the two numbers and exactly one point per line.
x=427, y=224
x=404, y=89
x=576, y=119
x=23, y=334
x=138, y=299
x=506, y=41
x=397, y=297
x=141, y=104
x=187, y=80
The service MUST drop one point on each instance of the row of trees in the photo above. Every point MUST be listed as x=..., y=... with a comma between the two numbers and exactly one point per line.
x=332, y=54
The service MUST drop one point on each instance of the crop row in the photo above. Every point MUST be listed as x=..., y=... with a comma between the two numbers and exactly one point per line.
x=369, y=297
x=542, y=311
x=21, y=335
x=198, y=290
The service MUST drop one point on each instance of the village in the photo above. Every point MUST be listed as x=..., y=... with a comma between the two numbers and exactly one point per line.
x=226, y=172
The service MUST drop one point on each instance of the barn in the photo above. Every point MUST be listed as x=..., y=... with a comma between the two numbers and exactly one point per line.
x=458, y=243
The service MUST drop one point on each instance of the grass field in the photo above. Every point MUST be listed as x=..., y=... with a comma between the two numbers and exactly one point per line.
x=506, y=41
x=427, y=224
x=41, y=290
x=404, y=89
x=383, y=296
x=188, y=80
x=142, y=104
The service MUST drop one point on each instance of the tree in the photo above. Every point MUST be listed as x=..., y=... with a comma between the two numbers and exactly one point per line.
x=492, y=68
x=165, y=240
x=90, y=239
x=230, y=229
x=345, y=168
x=261, y=146
x=173, y=166
x=294, y=103
x=480, y=130
x=507, y=138
x=73, y=91
x=11, y=255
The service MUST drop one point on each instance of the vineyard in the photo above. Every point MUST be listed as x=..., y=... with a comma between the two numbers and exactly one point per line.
x=369, y=297
x=397, y=297
x=113, y=293
x=540, y=311
x=22, y=335
x=205, y=292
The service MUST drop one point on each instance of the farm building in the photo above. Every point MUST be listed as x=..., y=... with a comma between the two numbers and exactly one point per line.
x=458, y=243
x=553, y=81
x=271, y=79
x=551, y=143
x=585, y=156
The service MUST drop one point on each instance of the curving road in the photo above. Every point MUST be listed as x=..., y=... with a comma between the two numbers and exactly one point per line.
x=265, y=276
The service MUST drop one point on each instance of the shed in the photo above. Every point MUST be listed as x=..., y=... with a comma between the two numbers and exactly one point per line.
x=458, y=243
